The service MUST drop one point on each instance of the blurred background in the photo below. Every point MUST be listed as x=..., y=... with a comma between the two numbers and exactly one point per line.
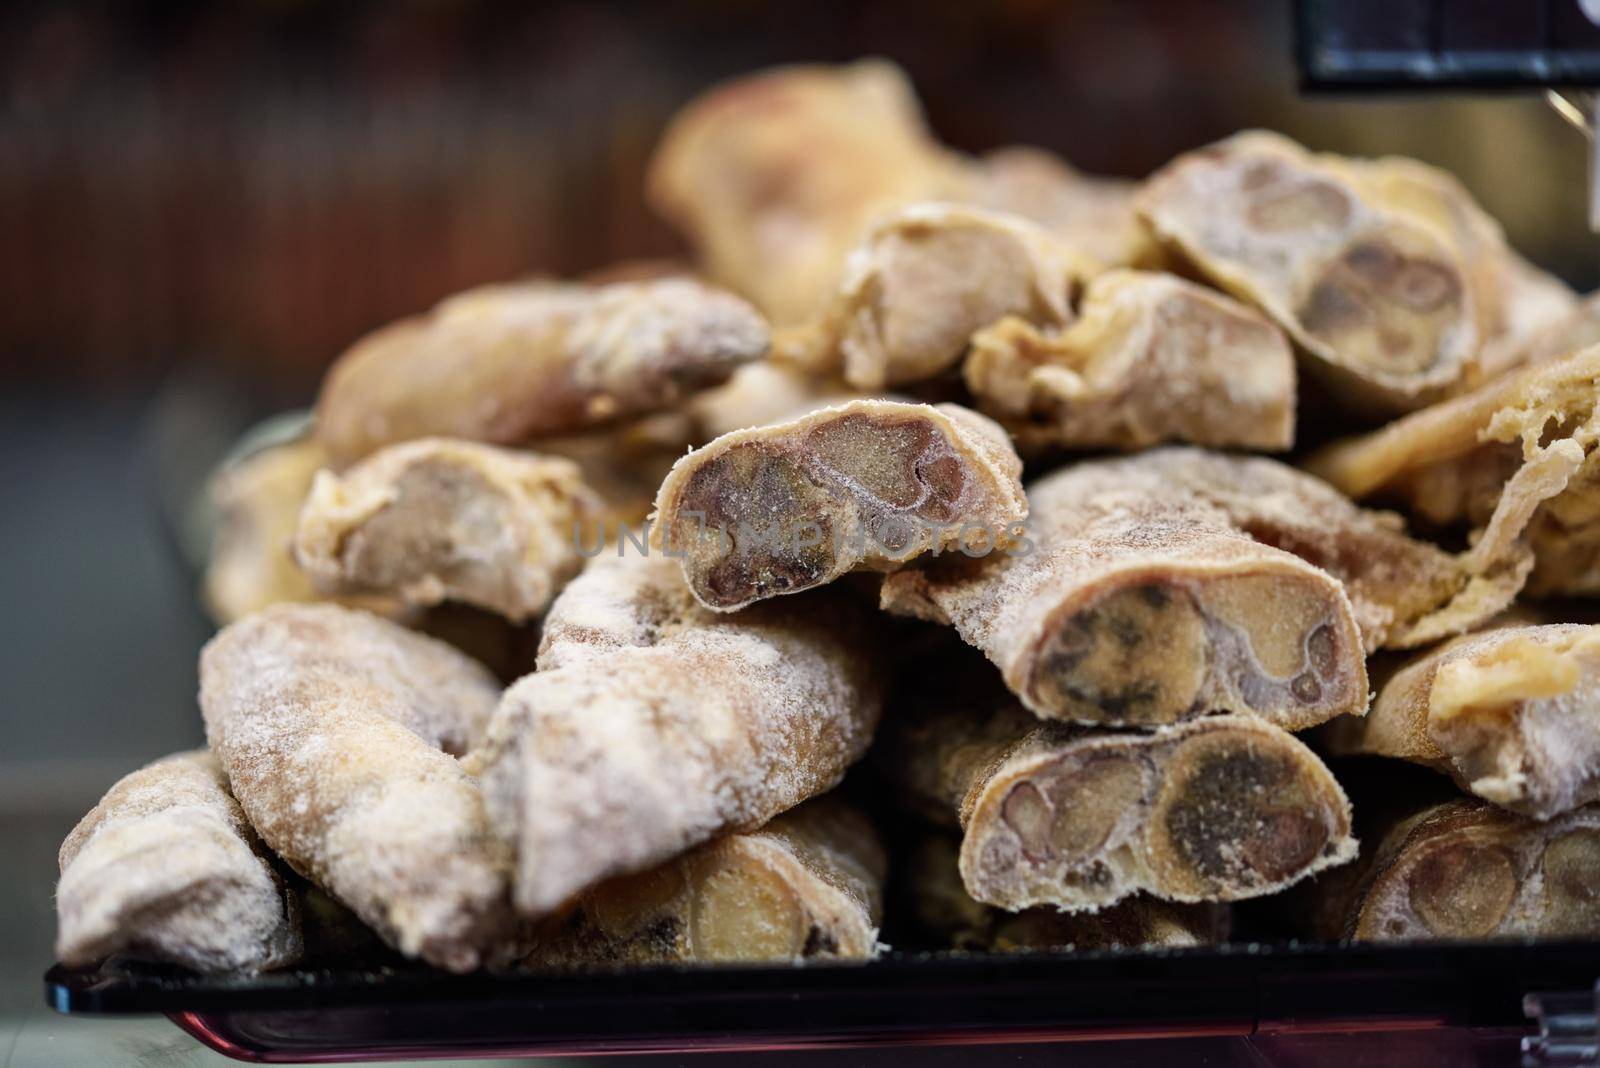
x=201, y=205
x=244, y=188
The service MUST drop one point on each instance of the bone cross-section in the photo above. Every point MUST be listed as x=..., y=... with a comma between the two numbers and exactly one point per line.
x=506, y=363
x=866, y=485
x=440, y=519
x=1511, y=714
x=947, y=913
x=1516, y=302
x=1467, y=869
x=653, y=725
x=167, y=868
x=1179, y=581
x=808, y=885
x=1151, y=358
x=1221, y=808
x=336, y=729
x=1514, y=460
x=1378, y=298
x=924, y=280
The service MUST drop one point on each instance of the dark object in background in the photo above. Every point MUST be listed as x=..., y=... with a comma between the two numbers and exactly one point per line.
x=1473, y=44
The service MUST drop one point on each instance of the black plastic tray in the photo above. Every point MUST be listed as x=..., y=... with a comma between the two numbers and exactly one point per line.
x=1472, y=990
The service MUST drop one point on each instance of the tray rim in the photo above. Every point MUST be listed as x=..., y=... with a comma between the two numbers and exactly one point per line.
x=94, y=992
x=1238, y=990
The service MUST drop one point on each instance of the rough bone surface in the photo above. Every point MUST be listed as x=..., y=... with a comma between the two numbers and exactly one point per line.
x=1511, y=714
x=1517, y=303
x=624, y=464
x=762, y=394
x=167, y=868
x=1514, y=461
x=1578, y=329
x=653, y=725
x=506, y=363
x=338, y=731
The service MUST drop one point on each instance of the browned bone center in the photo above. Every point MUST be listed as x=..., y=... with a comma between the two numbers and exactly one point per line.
x=1157, y=651
x=436, y=511
x=440, y=519
x=806, y=884
x=869, y=484
x=1098, y=666
x=746, y=912
x=1215, y=809
x=1399, y=288
x=747, y=544
x=1069, y=808
x=630, y=902
x=1384, y=304
x=1463, y=889
x=1467, y=869
x=1301, y=206
x=906, y=465
x=1572, y=883
x=1150, y=598
x=1235, y=813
